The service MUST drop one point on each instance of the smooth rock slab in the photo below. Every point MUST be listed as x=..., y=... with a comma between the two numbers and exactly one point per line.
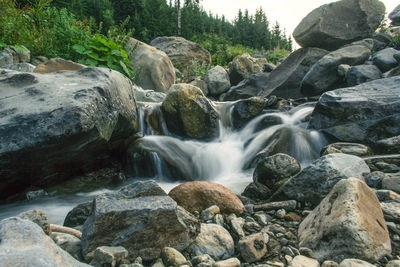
x=315, y=181
x=363, y=114
x=333, y=25
x=23, y=243
x=215, y=241
x=348, y=223
x=142, y=219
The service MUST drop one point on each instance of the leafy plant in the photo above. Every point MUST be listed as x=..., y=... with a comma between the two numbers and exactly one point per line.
x=277, y=55
x=101, y=51
x=395, y=43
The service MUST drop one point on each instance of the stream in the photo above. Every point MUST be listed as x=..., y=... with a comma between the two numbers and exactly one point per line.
x=227, y=160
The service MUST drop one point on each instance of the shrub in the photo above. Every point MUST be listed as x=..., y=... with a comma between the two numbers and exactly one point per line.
x=101, y=51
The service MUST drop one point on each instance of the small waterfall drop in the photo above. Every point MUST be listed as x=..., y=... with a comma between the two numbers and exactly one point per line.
x=228, y=159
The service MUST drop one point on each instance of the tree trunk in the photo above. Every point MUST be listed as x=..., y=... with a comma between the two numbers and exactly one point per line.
x=179, y=18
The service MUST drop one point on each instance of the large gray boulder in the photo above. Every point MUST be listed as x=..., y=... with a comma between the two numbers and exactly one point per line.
x=183, y=53
x=333, y=25
x=348, y=223
x=385, y=59
x=243, y=66
x=62, y=124
x=6, y=58
x=315, y=181
x=283, y=81
x=217, y=80
x=362, y=73
x=395, y=16
x=188, y=113
x=154, y=70
x=141, y=218
x=363, y=114
x=23, y=243
x=324, y=76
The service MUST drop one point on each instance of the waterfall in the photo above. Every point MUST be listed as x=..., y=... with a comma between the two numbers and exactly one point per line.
x=228, y=158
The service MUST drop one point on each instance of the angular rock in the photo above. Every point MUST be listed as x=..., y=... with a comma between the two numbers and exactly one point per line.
x=199, y=195
x=154, y=70
x=172, y=257
x=385, y=60
x=57, y=64
x=78, y=215
x=245, y=110
x=362, y=73
x=205, y=259
x=358, y=150
x=253, y=247
x=183, y=53
x=257, y=191
x=217, y=80
x=69, y=243
x=37, y=217
x=395, y=16
x=188, y=113
x=323, y=75
x=108, y=256
x=23, y=243
x=348, y=223
x=63, y=124
x=242, y=67
x=315, y=181
x=392, y=182
x=333, y=25
x=274, y=170
x=134, y=217
x=391, y=211
x=355, y=263
x=346, y=114
x=284, y=81
x=302, y=261
x=215, y=241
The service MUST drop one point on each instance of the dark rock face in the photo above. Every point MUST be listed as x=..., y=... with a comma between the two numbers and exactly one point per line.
x=57, y=125
x=315, y=181
x=362, y=73
x=324, y=76
x=385, y=59
x=395, y=16
x=333, y=25
x=141, y=218
x=363, y=114
x=245, y=110
x=284, y=81
x=78, y=215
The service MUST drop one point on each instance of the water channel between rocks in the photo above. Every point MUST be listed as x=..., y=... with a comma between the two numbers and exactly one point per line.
x=227, y=160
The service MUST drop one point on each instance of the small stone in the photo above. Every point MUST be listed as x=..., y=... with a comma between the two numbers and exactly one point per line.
x=32, y=195
x=288, y=259
x=261, y=218
x=253, y=247
x=355, y=263
x=172, y=257
x=392, y=182
x=232, y=262
x=236, y=225
x=307, y=252
x=302, y=261
x=386, y=195
x=329, y=264
x=69, y=243
x=251, y=227
x=391, y=211
x=374, y=179
x=158, y=263
x=205, y=258
x=283, y=241
x=292, y=217
x=219, y=219
x=287, y=205
x=280, y=213
x=109, y=256
x=209, y=213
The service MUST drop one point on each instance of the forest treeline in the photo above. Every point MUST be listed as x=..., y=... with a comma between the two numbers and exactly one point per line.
x=152, y=18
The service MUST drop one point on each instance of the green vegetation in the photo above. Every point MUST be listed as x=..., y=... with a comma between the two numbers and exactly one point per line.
x=94, y=32
x=396, y=42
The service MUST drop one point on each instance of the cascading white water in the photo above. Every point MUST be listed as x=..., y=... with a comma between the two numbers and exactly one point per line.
x=224, y=159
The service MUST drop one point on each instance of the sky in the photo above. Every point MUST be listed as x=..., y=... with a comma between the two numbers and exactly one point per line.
x=288, y=13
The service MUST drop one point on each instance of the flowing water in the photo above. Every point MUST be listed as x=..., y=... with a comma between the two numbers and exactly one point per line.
x=228, y=160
